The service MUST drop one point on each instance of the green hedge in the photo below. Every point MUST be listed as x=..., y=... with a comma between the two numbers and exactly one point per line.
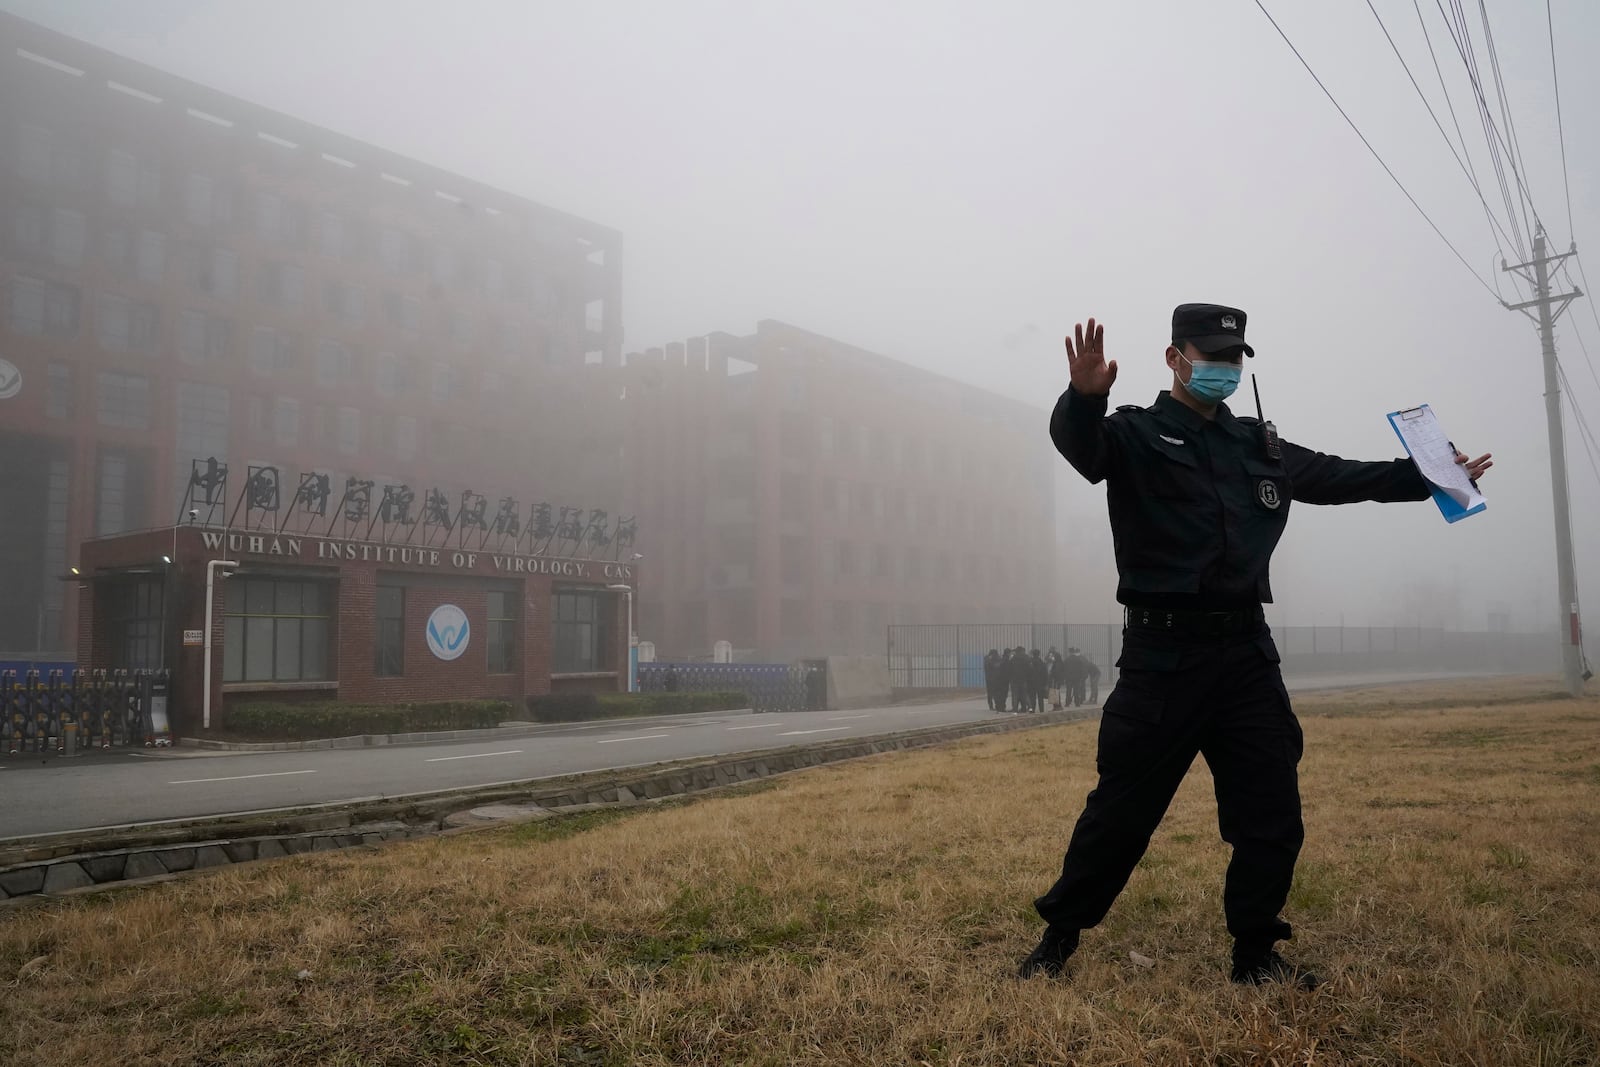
x=306, y=722
x=578, y=707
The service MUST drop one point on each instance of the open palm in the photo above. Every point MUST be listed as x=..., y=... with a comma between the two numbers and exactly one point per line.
x=1091, y=374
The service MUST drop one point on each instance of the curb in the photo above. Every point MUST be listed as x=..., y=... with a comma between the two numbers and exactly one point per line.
x=519, y=729
x=88, y=861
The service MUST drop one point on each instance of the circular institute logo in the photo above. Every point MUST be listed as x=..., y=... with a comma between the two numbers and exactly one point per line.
x=447, y=632
x=10, y=380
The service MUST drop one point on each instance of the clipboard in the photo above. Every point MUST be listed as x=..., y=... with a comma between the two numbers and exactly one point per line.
x=1435, y=456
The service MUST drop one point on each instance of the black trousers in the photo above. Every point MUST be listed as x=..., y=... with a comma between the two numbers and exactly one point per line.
x=1179, y=697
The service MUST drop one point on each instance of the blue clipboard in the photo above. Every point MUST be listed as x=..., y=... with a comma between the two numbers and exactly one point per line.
x=1451, y=508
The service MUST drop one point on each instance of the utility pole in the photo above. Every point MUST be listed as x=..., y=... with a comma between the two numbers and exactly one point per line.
x=1550, y=308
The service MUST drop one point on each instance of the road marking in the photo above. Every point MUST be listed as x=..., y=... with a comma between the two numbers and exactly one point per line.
x=757, y=726
x=823, y=730
x=474, y=755
x=237, y=777
x=635, y=737
x=842, y=718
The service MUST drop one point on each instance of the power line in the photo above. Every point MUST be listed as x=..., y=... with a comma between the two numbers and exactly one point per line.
x=1518, y=165
x=1575, y=331
x=1555, y=79
x=1585, y=436
x=1471, y=177
x=1374, y=151
x=1462, y=38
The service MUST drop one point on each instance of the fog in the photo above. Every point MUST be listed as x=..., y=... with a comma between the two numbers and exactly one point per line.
x=954, y=185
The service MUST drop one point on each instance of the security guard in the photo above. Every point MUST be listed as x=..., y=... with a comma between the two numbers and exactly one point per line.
x=1198, y=499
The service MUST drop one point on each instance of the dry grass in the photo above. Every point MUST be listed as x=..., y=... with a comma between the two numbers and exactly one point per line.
x=872, y=913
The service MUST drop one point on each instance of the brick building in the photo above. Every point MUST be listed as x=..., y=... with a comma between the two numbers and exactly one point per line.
x=804, y=494
x=308, y=616
x=184, y=274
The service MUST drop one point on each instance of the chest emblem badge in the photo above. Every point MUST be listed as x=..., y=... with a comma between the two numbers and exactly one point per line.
x=1267, y=493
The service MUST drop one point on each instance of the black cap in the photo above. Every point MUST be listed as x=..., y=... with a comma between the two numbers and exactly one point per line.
x=1210, y=327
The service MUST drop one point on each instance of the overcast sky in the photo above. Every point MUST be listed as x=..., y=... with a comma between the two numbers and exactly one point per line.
x=956, y=184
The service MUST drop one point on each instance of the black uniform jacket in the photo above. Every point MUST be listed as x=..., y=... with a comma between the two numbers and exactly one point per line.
x=1197, y=505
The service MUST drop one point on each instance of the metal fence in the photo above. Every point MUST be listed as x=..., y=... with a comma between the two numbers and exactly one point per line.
x=62, y=713
x=770, y=686
x=950, y=656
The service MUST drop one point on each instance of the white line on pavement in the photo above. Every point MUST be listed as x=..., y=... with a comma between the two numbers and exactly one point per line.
x=757, y=726
x=474, y=755
x=842, y=718
x=236, y=777
x=635, y=737
x=823, y=730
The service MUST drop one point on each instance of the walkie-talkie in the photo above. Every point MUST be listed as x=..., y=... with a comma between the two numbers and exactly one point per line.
x=1269, y=432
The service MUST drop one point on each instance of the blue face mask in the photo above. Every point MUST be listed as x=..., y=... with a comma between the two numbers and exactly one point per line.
x=1211, y=383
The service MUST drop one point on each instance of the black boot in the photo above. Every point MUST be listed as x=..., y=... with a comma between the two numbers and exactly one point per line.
x=1271, y=967
x=1049, y=958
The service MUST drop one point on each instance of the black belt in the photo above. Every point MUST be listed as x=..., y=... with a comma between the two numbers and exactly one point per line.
x=1195, y=623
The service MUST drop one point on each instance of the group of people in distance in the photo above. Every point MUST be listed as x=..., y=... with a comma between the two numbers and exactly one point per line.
x=1029, y=680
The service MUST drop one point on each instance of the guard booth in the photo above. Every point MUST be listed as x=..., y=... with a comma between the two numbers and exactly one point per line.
x=52, y=713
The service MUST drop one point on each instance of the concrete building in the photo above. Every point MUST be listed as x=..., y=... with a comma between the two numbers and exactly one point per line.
x=184, y=274
x=803, y=494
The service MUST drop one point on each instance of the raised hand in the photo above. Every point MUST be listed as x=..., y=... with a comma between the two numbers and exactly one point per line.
x=1091, y=374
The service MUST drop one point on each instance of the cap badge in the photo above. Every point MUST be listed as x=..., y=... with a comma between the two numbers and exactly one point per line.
x=1229, y=322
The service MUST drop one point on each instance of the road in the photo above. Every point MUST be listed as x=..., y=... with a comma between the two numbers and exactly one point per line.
x=123, y=787
x=43, y=795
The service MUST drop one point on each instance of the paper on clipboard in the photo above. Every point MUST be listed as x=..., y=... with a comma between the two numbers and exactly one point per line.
x=1435, y=457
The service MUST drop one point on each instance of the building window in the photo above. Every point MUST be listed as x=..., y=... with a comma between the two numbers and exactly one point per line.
x=58, y=392
x=389, y=649
x=122, y=177
x=446, y=381
x=212, y=270
x=330, y=235
x=152, y=261
x=271, y=351
x=69, y=236
x=124, y=400
x=349, y=431
x=334, y=363
x=269, y=216
x=202, y=338
x=502, y=632
x=577, y=629
x=405, y=437
x=29, y=227
x=205, y=202
x=394, y=250
x=281, y=285
x=42, y=309
x=345, y=302
x=286, y=422
x=275, y=630
x=125, y=326
x=35, y=147
x=202, y=430
x=119, y=492
x=134, y=617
